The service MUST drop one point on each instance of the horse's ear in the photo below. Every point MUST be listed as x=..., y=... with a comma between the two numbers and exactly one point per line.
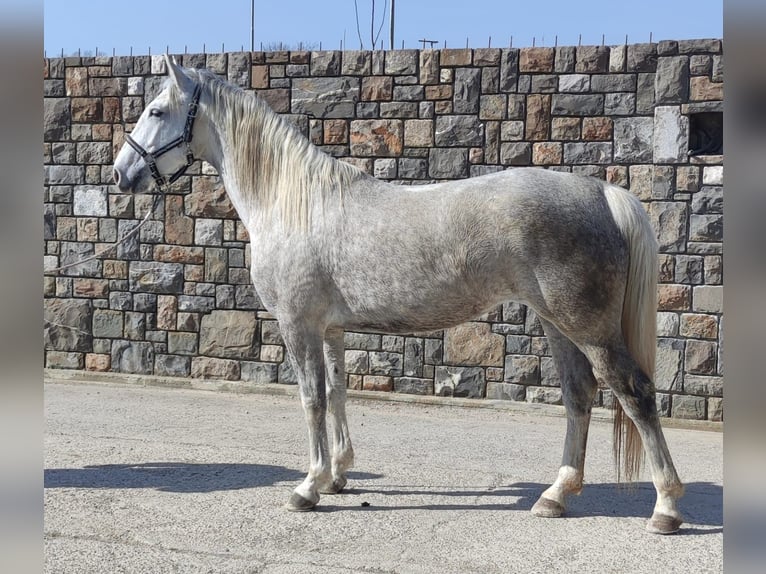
x=176, y=72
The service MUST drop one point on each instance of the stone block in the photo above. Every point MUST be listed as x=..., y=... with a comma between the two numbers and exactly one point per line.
x=325, y=97
x=399, y=62
x=617, y=58
x=537, y=59
x=588, y=153
x=513, y=130
x=668, y=375
x=549, y=375
x=574, y=83
x=467, y=88
x=633, y=140
x=516, y=153
x=708, y=298
x=671, y=84
x=667, y=324
x=183, y=343
x=468, y=382
x=700, y=358
x=385, y=363
x=209, y=368
x=63, y=360
x=259, y=373
x=413, y=357
x=446, y=163
x=612, y=83
x=376, y=138
x=98, y=362
x=67, y=324
x=378, y=383
x=326, y=63
x=645, y=94
x=699, y=326
x=155, y=277
x=669, y=221
x=208, y=198
x=712, y=175
x=538, y=117
x=458, y=131
x=592, y=59
x=689, y=269
x=229, y=334
x=208, y=231
x=706, y=227
x=506, y=391
x=621, y=104
x=418, y=133
x=597, y=128
x=577, y=104
x=708, y=200
x=522, y=369
x=413, y=386
x=357, y=362
x=132, y=357
x=564, y=61
x=473, y=344
x=361, y=341
x=688, y=407
x=671, y=135
x=509, y=69
x=704, y=90
x=377, y=88
x=642, y=57
x=172, y=365
x=545, y=395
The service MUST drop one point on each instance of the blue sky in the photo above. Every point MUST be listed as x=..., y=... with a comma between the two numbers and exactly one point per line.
x=106, y=26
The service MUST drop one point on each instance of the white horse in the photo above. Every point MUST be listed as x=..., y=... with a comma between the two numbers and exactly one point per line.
x=333, y=249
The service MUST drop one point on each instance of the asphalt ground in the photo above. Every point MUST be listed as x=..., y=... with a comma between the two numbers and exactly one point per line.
x=144, y=478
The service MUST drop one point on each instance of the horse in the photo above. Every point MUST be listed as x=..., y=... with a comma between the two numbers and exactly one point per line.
x=335, y=249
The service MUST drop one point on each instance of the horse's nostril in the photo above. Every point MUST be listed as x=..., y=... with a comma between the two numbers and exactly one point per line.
x=116, y=177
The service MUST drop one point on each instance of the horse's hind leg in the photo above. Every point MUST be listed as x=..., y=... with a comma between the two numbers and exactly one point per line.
x=613, y=364
x=342, y=452
x=578, y=388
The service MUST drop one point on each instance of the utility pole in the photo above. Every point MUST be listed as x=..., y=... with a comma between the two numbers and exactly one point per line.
x=391, y=22
x=252, y=25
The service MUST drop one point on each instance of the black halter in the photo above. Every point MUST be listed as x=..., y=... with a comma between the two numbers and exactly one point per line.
x=151, y=157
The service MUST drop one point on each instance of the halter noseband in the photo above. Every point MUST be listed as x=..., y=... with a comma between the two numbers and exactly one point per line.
x=151, y=157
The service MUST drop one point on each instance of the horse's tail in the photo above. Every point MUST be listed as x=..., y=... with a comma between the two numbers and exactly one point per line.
x=639, y=315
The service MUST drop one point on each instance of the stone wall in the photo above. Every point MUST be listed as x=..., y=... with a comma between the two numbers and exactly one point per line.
x=176, y=300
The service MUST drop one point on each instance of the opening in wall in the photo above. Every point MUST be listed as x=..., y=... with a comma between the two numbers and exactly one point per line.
x=706, y=133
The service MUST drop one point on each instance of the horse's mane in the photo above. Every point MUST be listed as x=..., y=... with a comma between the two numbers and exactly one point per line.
x=273, y=164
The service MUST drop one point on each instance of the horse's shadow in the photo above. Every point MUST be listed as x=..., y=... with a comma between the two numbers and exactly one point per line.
x=178, y=476
x=702, y=505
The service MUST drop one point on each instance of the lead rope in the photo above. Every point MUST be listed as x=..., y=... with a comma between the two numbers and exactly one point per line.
x=130, y=234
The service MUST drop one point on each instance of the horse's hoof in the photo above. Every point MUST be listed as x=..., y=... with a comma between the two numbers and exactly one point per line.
x=334, y=487
x=547, y=508
x=663, y=524
x=299, y=504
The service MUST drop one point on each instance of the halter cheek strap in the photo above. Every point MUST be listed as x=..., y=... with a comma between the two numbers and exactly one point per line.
x=185, y=139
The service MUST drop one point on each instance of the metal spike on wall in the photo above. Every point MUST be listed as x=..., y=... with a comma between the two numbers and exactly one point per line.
x=489, y=42
x=603, y=39
x=510, y=44
x=556, y=40
x=533, y=41
x=579, y=40
x=650, y=37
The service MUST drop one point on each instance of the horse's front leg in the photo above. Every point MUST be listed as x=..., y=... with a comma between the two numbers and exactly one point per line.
x=305, y=350
x=342, y=452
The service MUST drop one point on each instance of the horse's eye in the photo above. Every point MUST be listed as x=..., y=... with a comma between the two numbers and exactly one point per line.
x=155, y=112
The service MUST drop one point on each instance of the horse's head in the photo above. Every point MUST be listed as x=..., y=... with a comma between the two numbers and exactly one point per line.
x=159, y=146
